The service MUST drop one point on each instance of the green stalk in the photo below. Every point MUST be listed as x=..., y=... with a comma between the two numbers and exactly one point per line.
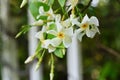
x=40, y=60
x=52, y=68
x=78, y=12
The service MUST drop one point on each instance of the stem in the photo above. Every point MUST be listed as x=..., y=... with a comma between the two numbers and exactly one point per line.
x=86, y=7
x=57, y=10
x=64, y=12
x=52, y=68
x=60, y=47
x=40, y=60
x=78, y=12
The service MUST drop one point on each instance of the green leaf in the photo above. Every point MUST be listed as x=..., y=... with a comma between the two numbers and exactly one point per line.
x=50, y=2
x=34, y=8
x=52, y=26
x=50, y=36
x=23, y=30
x=62, y=2
x=43, y=17
x=61, y=45
x=39, y=48
x=59, y=53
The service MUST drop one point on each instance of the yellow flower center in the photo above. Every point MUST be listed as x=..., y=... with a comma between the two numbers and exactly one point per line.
x=48, y=14
x=84, y=26
x=61, y=35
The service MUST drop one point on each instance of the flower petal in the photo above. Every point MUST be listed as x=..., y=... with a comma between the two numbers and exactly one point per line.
x=68, y=3
x=94, y=20
x=50, y=14
x=66, y=23
x=96, y=29
x=75, y=21
x=41, y=10
x=71, y=3
x=79, y=31
x=90, y=33
x=58, y=18
x=46, y=43
x=85, y=19
x=80, y=35
x=50, y=11
x=44, y=28
x=39, y=35
x=59, y=26
x=69, y=31
x=56, y=42
x=67, y=41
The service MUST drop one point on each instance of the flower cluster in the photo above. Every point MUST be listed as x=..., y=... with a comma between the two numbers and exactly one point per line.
x=57, y=30
x=60, y=32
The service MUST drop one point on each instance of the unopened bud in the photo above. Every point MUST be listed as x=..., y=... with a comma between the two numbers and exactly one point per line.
x=63, y=50
x=29, y=59
x=38, y=23
x=51, y=76
x=38, y=64
x=37, y=67
x=24, y=2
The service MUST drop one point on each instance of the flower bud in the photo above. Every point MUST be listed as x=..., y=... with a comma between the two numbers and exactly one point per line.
x=24, y=2
x=37, y=67
x=38, y=23
x=29, y=59
x=51, y=76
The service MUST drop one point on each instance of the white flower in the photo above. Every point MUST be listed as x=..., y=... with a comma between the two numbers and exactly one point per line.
x=71, y=4
x=88, y=26
x=73, y=19
x=45, y=43
x=47, y=26
x=62, y=35
x=66, y=23
x=48, y=13
x=70, y=22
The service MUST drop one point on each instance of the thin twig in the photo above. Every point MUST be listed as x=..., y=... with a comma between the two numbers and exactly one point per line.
x=84, y=9
x=110, y=50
